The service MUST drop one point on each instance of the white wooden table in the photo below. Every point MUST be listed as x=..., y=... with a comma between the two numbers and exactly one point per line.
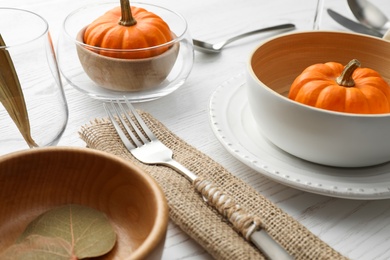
x=358, y=229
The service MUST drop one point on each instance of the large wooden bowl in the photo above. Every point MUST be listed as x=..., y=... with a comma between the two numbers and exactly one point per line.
x=317, y=135
x=37, y=180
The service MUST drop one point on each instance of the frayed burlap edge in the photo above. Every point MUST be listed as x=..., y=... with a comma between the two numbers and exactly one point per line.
x=190, y=212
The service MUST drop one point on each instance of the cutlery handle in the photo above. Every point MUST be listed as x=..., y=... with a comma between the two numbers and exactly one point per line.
x=249, y=225
x=241, y=220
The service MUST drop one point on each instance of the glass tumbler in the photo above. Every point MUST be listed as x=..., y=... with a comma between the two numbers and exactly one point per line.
x=318, y=15
x=33, y=108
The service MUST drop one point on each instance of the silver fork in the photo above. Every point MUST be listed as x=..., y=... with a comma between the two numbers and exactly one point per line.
x=146, y=147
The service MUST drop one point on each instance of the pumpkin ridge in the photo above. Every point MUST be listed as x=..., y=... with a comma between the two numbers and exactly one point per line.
x=335, y=68
x=365, y=72
x=333, y=98
x=142, y=41
x=139, y=11
x=373, y=93
x=162, y=27
x=373, y=81
x=154, y=37
x=125, y=44
x=309, y=92
x=93, y=37
x=111, y=37
x=356, y=101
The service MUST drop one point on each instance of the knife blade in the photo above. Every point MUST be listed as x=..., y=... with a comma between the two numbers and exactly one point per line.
x=352, y=25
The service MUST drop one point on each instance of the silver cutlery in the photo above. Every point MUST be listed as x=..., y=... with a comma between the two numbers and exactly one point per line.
x=217, y=47
x=352, y=25
x=145, y=146
x=318, y=14
x=368, y=14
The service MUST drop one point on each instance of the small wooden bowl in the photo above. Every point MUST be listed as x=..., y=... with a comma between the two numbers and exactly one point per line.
x=126, y=74
x=37, y=180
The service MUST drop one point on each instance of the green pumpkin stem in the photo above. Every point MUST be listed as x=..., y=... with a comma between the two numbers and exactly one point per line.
x=345, y=79
x=127, y=18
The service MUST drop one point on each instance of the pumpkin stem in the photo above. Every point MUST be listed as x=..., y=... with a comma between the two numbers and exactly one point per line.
x=127, y=18
x=345, y=79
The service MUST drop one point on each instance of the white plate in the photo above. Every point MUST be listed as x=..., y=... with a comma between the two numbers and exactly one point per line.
x=234, y=126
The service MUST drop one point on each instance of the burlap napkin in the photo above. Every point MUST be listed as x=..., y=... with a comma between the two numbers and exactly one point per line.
x=189, y=211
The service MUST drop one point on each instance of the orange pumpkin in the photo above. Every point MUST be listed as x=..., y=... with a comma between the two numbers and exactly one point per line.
x=344, y=89
x=128, y=28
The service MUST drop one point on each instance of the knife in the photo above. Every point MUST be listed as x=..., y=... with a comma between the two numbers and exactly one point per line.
x=354, y=26
x=270, y=248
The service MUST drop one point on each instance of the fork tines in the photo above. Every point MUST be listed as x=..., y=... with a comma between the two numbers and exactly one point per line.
x=134, y=125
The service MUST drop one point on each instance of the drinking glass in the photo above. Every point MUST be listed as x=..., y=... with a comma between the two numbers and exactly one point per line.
x=318, y=14
x=33, y=108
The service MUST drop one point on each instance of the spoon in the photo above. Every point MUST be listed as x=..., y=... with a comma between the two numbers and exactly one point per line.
x=368, y=14
x=217, y=47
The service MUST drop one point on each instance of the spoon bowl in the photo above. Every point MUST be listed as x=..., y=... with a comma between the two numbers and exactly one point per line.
x=369, y=14
x=217, y=47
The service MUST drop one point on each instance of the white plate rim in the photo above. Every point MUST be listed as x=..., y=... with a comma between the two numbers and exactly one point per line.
x=350, y=187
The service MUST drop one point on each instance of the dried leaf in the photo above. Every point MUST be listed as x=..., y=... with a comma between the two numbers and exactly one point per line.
x=11, y=95
x=39, y=247
x=82, y=231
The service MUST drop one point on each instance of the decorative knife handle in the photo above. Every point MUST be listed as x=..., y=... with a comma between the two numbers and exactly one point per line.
x=242, y=221
x=250, y=226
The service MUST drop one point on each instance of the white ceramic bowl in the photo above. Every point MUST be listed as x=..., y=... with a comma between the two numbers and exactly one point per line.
x=317, y=135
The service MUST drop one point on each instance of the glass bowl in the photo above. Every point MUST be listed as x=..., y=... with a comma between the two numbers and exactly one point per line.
x=106, y=78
